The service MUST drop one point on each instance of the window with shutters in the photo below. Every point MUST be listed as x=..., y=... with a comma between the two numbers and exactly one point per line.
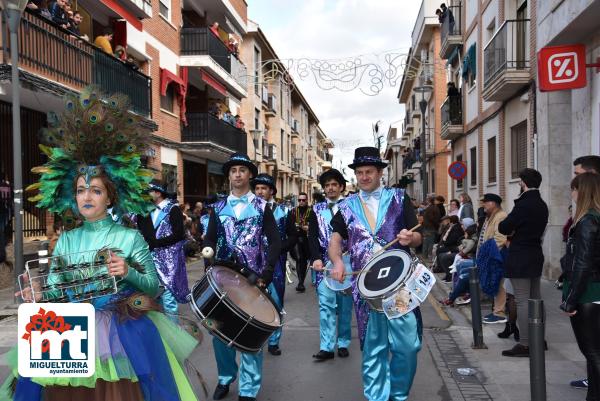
x=518, y=148
x=473, y=166
x=491, y=160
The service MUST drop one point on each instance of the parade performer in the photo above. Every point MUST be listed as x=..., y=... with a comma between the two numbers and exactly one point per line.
x=332, y=304
x=163, y=229
x=94, y=163
x=264, y=187
x=369, y=220
x=242, y=227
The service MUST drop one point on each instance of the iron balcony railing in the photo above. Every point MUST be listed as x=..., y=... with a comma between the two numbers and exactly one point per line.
x=57, y=55
x=451, y=26
x=204, y=127
x=201, y=41
x=507, y=50
x=452, y=111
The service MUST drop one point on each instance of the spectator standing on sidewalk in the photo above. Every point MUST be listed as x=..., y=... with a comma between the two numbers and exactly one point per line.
x=581, y=267
x=525, y=225
x=466, y=207
x=431, y=223
x=489, y=230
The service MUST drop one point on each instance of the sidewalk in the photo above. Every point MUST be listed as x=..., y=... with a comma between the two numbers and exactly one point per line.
x=564, y=361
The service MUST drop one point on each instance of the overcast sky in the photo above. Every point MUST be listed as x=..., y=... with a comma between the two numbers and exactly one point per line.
x=331, y=29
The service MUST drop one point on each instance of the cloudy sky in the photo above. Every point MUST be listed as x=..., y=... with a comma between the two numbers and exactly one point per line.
x=336, y=29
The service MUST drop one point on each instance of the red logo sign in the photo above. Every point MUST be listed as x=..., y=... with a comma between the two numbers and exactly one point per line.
x=562, y=67
x=457, y=170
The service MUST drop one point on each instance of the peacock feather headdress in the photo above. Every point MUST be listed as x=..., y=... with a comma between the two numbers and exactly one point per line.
x=94, y=135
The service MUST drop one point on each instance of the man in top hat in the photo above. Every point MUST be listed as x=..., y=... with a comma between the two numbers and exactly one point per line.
x=163, y=230
x=367, y=221
x=264, y=187
x=332, y=304
x=242, y=228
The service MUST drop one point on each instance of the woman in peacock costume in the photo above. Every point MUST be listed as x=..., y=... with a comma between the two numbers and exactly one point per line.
x=93, y=152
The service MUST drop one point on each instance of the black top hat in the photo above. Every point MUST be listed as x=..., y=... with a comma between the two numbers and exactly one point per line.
x=240, y=159
x=264, y=179
x=367, y=156
x=159, y=186
x=332, y=174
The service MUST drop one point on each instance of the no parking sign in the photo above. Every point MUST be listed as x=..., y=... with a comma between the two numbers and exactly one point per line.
x=457, y=170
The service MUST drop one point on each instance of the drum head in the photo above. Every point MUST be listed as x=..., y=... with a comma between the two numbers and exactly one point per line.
x=244, y=295
x=384, y=273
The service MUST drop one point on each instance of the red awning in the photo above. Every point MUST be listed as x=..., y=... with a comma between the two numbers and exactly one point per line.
x=167, y=78
x=123, y=12
x=216, y=85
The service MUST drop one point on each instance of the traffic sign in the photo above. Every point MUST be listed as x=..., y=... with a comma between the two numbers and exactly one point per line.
x=457, y=170
x=562, y=67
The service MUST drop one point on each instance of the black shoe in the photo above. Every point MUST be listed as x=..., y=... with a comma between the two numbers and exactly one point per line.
x=519, y=351
x=274, y=350
x=323, y=355
x=300, y=288
x=343, y=352
x=221, y=391
x=244, y=398
x=509, y=329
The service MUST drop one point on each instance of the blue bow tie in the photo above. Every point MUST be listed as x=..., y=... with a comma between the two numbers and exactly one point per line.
x=367, y=195
x=235, y=200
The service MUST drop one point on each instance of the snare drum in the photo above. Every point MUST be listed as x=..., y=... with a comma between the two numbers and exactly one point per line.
x=335, y=285
x=232, y=309
x=384, y=275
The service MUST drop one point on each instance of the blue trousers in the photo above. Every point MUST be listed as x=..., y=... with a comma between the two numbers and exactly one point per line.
x=276, y=336
x=384, y=378
x=462, y=284
x=334, y=304
x=250, y=368
x=170, y=305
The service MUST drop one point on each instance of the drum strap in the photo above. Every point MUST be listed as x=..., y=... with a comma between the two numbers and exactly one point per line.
x=368, y=215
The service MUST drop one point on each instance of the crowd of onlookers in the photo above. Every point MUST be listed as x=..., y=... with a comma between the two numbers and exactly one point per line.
x=61, y=14
x=230, y=43
x=222, y=112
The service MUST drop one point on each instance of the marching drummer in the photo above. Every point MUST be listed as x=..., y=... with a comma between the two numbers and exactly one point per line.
x=368, y=221
x=264, y=187
x=236, y=230
x=331, y=303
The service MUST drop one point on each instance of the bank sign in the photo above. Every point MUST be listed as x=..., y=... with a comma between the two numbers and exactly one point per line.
x=56, y=340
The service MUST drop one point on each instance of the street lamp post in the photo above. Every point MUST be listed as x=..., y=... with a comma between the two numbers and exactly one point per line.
x=13, y=10
x=423, y=88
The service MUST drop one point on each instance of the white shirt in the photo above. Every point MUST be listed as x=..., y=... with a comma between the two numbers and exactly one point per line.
x=372, y=203
x=156, y=211
x=335, y=208
x=239, y=208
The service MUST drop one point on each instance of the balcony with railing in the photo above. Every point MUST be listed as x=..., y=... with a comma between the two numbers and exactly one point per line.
x=452, y=121
x=204, y=127
x=57, y=56
x=408, y=123
x=271, y=106
x=202, y=42
x=451, y=33
x=506, y=61
x=295, y=127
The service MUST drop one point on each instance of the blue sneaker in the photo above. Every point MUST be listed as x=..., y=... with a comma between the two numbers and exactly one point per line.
x=493, y=319
x=582, y=384
x=489, y=315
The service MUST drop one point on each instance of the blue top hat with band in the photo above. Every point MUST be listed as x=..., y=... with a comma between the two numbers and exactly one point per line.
x=367, y=156
x=264, y=179
x=158, y=186
x=239, y=159
x=332, y=174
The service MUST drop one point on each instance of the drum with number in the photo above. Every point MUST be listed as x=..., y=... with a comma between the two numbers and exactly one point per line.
x=234, y=310
x=384, y=275
x=335, y=285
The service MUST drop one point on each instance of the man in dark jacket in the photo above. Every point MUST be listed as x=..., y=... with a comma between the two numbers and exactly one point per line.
x=526, y=224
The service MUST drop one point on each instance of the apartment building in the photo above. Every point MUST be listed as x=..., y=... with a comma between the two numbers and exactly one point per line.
x=567, y=122
x=285, y=138
x=424, y=84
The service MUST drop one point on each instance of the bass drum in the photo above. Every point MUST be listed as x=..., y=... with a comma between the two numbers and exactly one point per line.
x=384, y=275
x=234, y=310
